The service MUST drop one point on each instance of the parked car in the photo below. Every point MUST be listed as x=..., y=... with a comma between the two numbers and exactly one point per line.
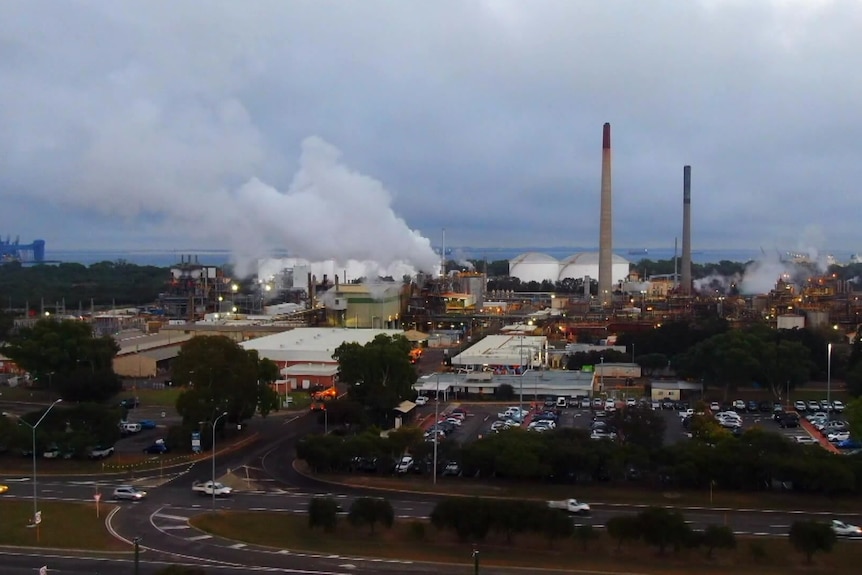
x=452, y=468
x=800, y=406
x=667, y=404
x=421, y=400
x=129, y=493
x=404, y=465
x=751, y=406
x=585, y=403
x=101, y=452
x=610, y=405
x=788, y=420
x=805, y=440
x=849, y=443
x=656, y=405
x=157, y=448
x=813, y=406
x=597, y=403
x=837, y=406
x=714, y=407
x=631, y=402
x=765, y=407
x=739, y=405
x=838, y=436
x=147, y=424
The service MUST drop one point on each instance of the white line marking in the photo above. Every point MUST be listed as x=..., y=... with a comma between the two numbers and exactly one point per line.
x=199, y=537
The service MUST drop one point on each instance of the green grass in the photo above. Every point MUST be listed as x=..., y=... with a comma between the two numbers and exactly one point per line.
x=290, y=531
x=166, y=397
x=27, y=394
x=64, y=526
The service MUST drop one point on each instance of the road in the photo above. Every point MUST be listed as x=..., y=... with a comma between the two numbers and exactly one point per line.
x=161, y=520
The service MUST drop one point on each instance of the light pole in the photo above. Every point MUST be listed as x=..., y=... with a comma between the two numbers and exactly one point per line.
x=212, y=485
x=436, y=424
x=521, y=378
x=137, y=543
x=35, y=491
x=829, y=376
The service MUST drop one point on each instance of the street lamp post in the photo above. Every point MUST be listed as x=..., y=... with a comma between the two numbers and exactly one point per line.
x=35, y=490
x=521, y=377
x=212, y=485
x=436, y=424
x=829, y=375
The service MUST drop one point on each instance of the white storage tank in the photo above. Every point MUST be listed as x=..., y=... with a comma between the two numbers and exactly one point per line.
x=534, y=266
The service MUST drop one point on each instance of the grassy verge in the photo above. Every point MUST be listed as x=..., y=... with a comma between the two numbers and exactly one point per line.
x=602, y=493
x=419, y=541
x=27, y=394
x=166, y=397
x=64, y=526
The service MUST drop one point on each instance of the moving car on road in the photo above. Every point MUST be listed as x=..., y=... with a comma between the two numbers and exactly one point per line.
x=129, y=493
x=845, y=529
x=208, y=487
x=571, y=506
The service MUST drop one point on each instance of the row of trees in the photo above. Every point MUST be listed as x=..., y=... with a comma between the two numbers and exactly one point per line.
x=473, y=519
x=72, y=428
x=102, y=283
x=364, y=511
x=756, y=460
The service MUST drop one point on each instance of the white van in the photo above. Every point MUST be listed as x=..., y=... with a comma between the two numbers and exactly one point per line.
x=562, y=402
x=131, y=428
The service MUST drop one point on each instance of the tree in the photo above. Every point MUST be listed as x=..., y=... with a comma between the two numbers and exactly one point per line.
x=67, y=355
x=504, y=392
x=623, y=528
x=718, y=537
x=379, y=374
x=220, y=376
x=585, y=534
x=640, y=426
x=370, y=511
x=556, y=525
x=652, y=362
x=809, y=537
x=323, y=513
x=662, y=527
x=7, y=321
x=853, y=415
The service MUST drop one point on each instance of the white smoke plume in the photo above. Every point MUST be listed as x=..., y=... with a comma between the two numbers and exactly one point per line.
x=328, y=212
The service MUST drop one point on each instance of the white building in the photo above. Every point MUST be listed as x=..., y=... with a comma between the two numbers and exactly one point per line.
x=501, y=354
x=311, y=344
x=538, y=267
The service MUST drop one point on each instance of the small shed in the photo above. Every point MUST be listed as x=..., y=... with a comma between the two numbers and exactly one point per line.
x=675, y=390
x=402, y=412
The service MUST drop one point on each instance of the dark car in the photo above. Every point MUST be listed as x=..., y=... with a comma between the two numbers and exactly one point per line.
x=130, y=403
x=667, y=404
x=765, y=406
x=788, y=420
x=751, y=406
x=156, y=449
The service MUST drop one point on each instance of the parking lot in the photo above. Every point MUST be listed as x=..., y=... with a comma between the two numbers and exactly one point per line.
x=481, y=416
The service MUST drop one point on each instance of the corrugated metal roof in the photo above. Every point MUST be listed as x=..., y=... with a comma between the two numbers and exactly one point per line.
x=162, y=353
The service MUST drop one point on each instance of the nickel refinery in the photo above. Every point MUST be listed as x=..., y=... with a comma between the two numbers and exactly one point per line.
x=587, y=293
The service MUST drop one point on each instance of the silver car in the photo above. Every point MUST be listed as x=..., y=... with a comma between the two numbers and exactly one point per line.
x=129, y=493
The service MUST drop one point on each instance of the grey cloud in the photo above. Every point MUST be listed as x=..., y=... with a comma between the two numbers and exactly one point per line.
x=480, y=117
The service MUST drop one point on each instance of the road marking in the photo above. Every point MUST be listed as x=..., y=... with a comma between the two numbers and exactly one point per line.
x=237, y=546
x=779, y=526
x=169, y=527
x=173, y=517
x=199, y=537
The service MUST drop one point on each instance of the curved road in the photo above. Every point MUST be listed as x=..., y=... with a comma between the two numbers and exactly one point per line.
x=161, y=520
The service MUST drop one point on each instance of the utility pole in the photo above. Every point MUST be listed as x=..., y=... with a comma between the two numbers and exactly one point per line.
x=137, y=542
x=475, y=561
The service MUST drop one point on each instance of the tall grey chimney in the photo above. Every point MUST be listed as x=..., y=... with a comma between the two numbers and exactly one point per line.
x=686, y=231
x=605, y=223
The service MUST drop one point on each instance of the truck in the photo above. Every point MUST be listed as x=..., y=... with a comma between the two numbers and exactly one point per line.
x=206, y=488
x=571, y=506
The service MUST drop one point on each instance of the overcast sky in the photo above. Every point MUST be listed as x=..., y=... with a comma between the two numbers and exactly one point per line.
x=361, y=129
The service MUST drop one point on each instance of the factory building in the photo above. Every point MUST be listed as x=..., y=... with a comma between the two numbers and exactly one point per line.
x=371, y=305
x=538, y=267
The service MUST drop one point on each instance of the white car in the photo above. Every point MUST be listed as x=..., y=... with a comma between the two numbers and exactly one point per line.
x=421, y=400
x=739, y=405
x=404, y=465
x=630, y=402
x=838, y=436
x=610, y=405
x=714, y=407
x=845, y=529
x=454, y=421
x=656, y=405
x=800, y=406
x=837, y=406
x=805, y=440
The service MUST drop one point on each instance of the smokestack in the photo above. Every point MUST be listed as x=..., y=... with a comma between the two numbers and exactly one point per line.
x=606, y=223
x=686, y=230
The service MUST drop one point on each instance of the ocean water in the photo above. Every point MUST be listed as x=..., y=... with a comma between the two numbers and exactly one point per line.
x=167, y=258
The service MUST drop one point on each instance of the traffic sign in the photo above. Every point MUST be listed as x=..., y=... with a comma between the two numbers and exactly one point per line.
x=43, y=570
x=38, y=518
x=97, y=496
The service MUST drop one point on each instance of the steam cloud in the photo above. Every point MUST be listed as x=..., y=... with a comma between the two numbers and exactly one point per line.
x=137, y=168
